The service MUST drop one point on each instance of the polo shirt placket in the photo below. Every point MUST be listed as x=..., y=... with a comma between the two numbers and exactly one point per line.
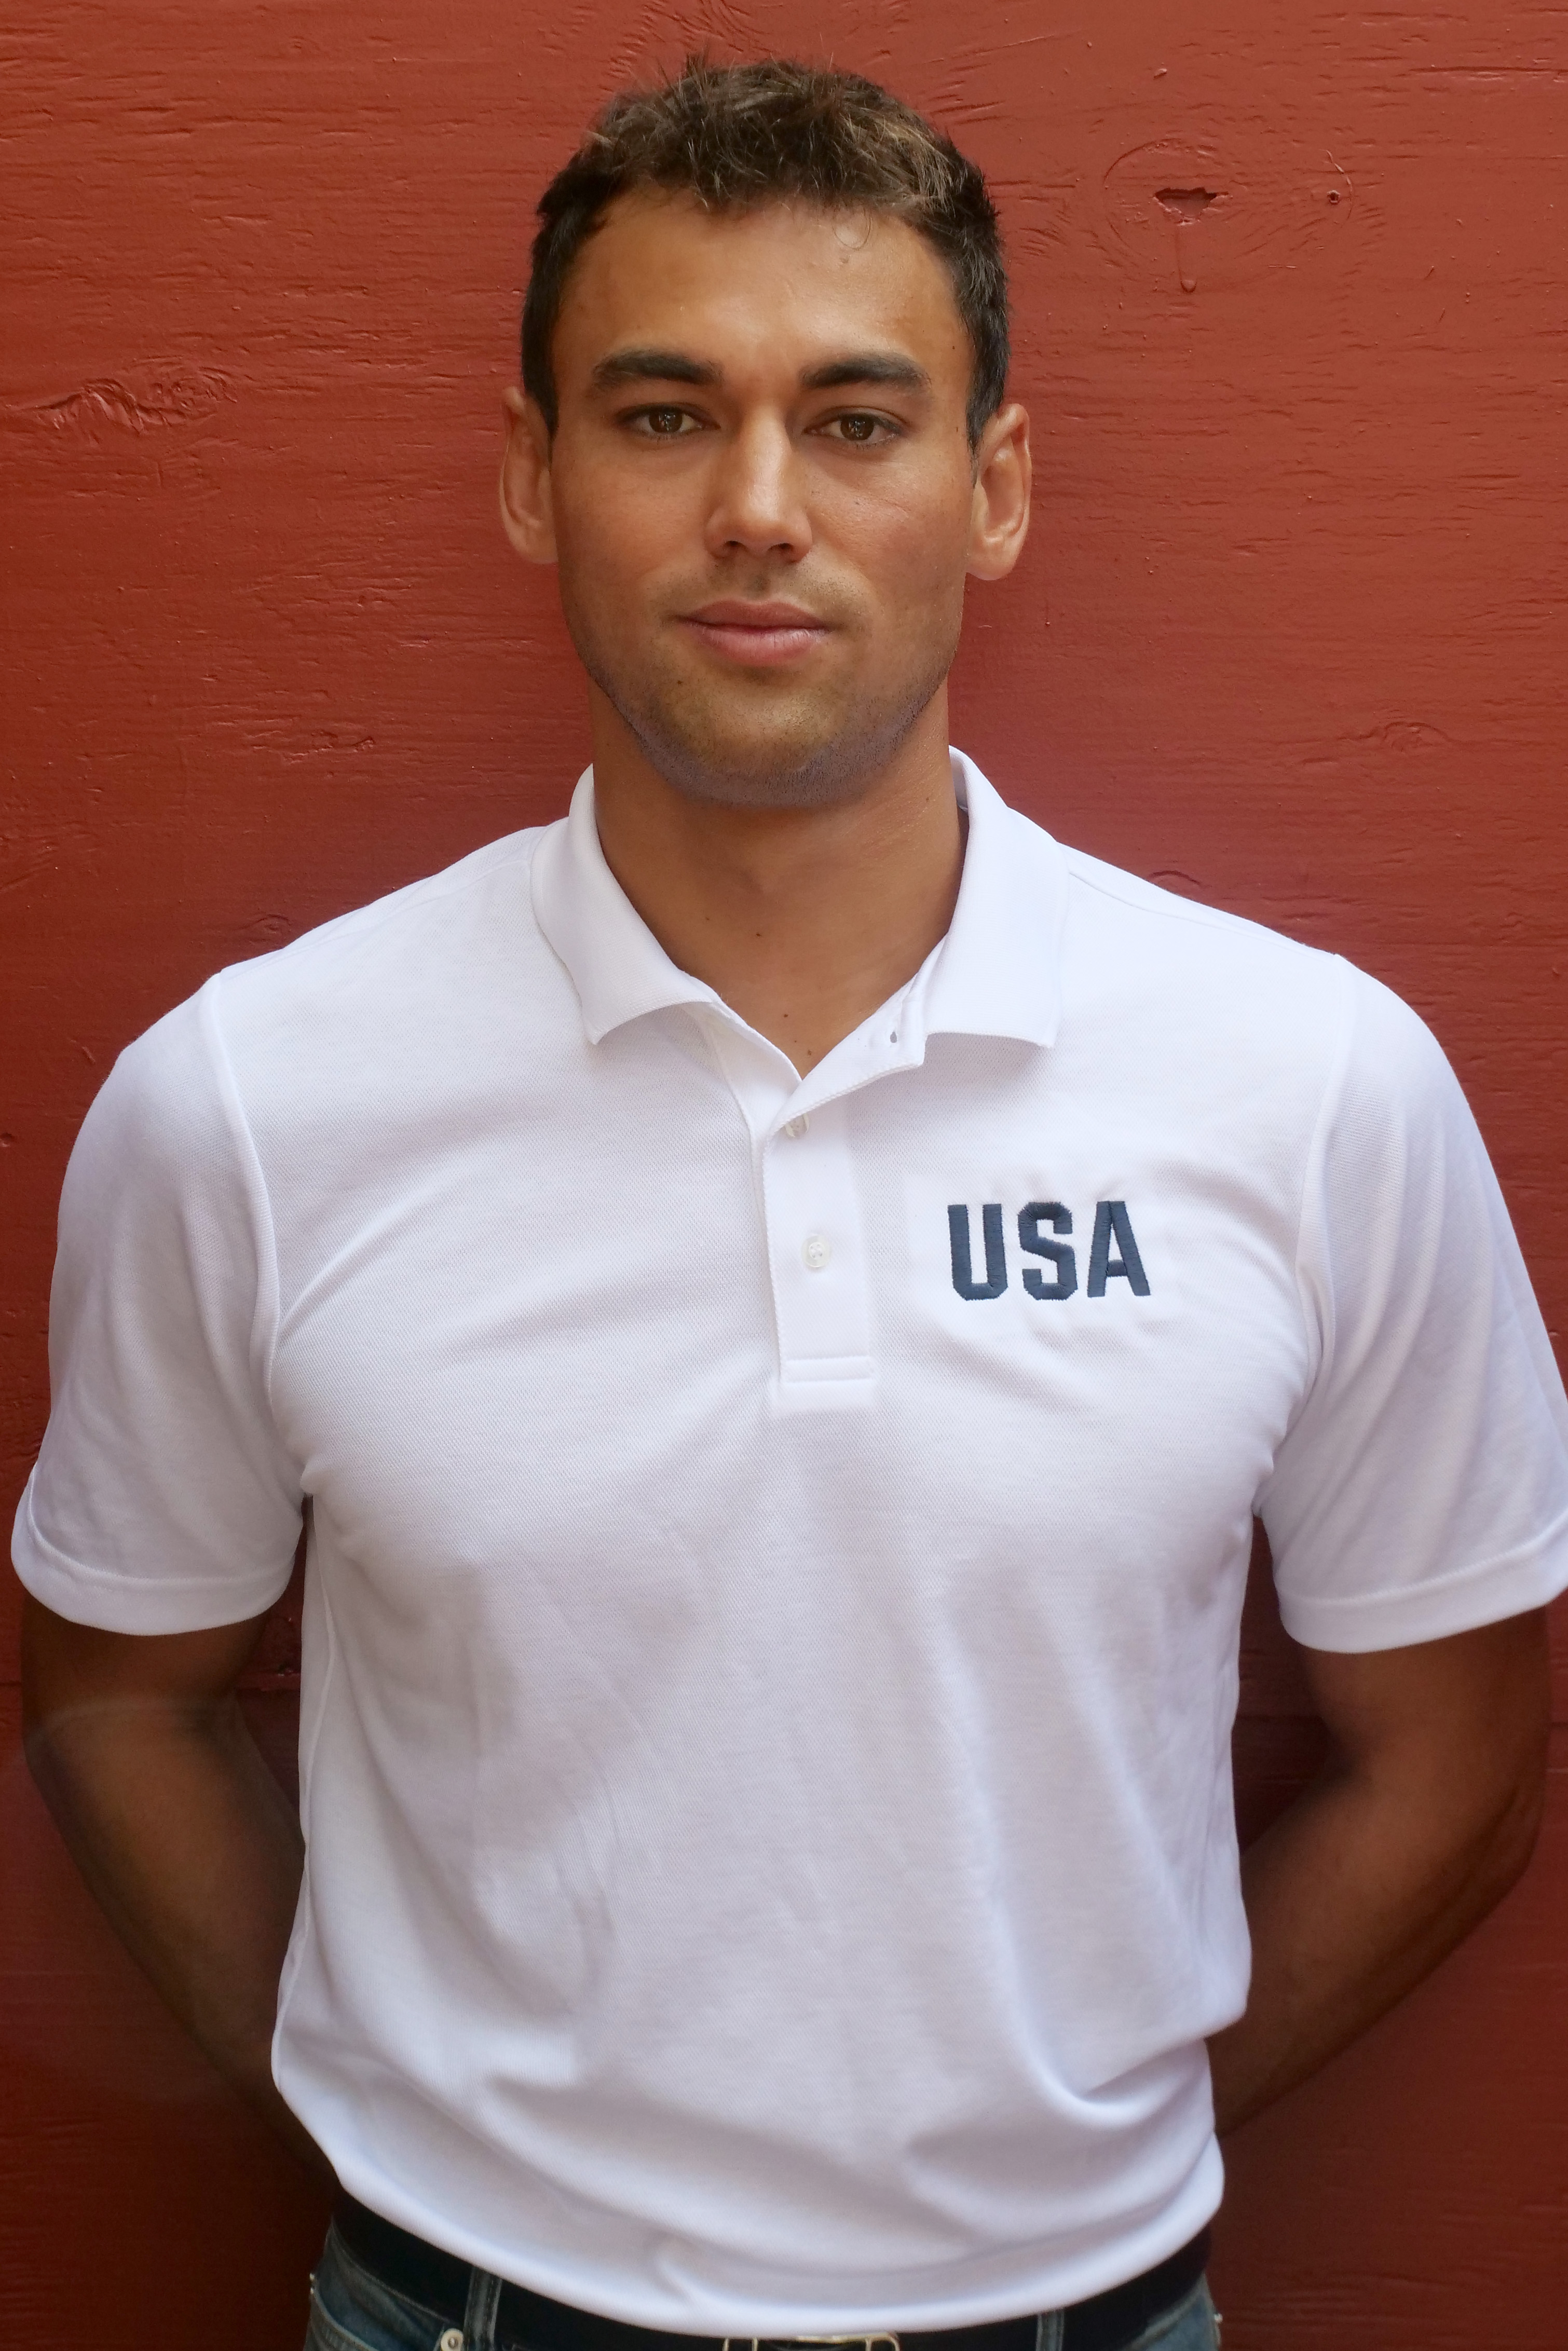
x=805, y=1177
x=994, y=974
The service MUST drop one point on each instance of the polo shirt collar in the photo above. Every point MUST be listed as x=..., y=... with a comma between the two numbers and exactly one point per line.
x=997, y=972
x=616, y=964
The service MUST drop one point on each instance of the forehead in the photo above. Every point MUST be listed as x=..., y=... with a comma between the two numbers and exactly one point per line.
x=790, y=282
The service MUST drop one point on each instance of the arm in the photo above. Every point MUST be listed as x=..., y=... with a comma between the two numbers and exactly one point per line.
x=142, y=1755
x=1424, y=1816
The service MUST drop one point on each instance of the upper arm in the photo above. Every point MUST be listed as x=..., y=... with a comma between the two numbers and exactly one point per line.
x=70, y=1669
x=1458, y=1726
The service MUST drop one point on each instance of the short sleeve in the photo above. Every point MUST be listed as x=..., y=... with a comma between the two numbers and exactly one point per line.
x=1422, y=1489
x=163, y=1500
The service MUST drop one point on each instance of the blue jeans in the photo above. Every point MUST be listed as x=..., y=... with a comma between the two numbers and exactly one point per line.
x=350, y=2310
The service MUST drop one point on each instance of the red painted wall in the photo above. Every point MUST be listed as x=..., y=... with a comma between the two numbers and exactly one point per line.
x=1291, y=636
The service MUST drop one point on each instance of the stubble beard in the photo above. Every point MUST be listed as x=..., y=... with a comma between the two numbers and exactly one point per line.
x=794, y=747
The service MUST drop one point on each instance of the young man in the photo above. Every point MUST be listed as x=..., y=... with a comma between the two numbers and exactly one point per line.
x=783, y=1293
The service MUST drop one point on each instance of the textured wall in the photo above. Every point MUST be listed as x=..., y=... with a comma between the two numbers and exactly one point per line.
x=1291, y=636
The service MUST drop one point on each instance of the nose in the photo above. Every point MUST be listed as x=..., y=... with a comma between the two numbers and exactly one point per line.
x=757, y=505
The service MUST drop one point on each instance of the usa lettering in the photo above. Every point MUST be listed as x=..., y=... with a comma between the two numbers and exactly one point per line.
x=1051, y=1270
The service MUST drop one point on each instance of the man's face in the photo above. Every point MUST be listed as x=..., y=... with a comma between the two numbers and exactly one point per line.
x=760, y=489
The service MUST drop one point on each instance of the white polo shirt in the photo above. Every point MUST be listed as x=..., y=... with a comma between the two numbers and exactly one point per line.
x=777, y=1545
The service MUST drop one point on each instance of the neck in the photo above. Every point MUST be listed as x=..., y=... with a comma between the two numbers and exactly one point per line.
x=803, y=920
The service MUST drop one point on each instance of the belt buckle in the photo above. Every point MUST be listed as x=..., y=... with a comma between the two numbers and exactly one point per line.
x=879, y=2339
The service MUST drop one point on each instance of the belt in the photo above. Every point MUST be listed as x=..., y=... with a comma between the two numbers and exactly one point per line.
x=526, y=2320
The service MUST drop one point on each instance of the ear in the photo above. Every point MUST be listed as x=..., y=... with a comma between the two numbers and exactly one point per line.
x=998, y=522
x=526, y=514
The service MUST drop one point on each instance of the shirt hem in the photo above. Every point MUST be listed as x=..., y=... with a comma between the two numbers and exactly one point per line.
x=1126, y=2251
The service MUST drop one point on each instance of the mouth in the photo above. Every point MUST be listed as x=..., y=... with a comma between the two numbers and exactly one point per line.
x=757, y=636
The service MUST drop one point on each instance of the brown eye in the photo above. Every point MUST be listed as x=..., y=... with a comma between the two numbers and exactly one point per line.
x=857, y=428
x=666, y=422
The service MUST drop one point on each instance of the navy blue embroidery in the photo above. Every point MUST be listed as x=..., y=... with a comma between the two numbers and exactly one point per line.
x=1112, y=1220
x=964, y=1281
x=1059, y=1220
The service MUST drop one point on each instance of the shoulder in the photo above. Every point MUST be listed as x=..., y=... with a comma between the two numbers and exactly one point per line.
x=419, y=932
x=1166, y=927
x=1214, y=1008
x=392, y=992
x=1197, y=983
x=392, y=1000
x=163, y=1111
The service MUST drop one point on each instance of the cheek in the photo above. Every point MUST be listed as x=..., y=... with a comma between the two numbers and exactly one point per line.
x=918, y=521
x=611, y=538
x=598, y=564
x=913, y=553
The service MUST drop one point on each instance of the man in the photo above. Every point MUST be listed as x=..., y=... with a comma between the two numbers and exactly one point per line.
x=781, y=1296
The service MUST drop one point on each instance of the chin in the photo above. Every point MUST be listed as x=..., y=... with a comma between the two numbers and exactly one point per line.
x=800, y=759
x=760, y=776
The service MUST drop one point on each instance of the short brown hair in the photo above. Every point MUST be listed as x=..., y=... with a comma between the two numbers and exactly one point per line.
x=739, y=136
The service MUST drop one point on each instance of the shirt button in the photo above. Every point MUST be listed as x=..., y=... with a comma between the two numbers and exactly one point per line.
x=815, y=1251
x=795, y=1128
x=452, y=2340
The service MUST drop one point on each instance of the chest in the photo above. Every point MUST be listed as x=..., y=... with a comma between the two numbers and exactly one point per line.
x=1061, y=1331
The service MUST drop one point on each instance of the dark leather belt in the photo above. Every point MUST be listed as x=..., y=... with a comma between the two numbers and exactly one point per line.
x=525, y=2321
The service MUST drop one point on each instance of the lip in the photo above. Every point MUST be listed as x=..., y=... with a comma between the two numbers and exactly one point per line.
x=757, y=636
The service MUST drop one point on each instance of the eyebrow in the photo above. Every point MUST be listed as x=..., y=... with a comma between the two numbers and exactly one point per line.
x=642, y=365
x=890, y=368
